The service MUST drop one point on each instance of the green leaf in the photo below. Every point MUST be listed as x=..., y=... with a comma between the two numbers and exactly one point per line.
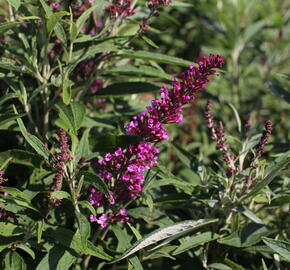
x=250, y=235
x=162, y=252
x=233, y=265
x=279, y=90
x=249, y=214
x=85, y=15
x=87, y=205
x=83, y=149
x=279, y=246
x=157, y=57
x=16, y=193
x=195, y=241
x=13, y=261
x=259, y=248
x=128, y=88
x=66, y=91
x=57, y=258
x=238, y=119
x=65, y=237
x=264, y=265
x=15, y=3
x=40, y=228
x=9, y=229
x=8, y=97
x=34, y=142
x=219, y=266
x=150, y=42
x=122, y=237
x=271, y=172
x=22, y=157
x=47, y=9
x=53, y=19
x=97, y=252
x=79, y=111
x=254, y=29
x=60, y=195
x=110, y=142
x=8, y=241
x=142, y=71
x=12, y=65
x=281, y=199
x=177, y=3
x=72, y=115
x=27, y=250
x=135, y=263
x=84, y=229
x=164, y=233
x=8, y=25
x=97, y=182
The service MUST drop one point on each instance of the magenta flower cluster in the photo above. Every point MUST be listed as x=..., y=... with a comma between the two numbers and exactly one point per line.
x=156, y=3
x=167, y=110
x=120, y=8
x=123, y=170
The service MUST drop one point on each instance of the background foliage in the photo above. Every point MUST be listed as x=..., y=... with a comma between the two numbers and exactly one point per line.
x=60, y=69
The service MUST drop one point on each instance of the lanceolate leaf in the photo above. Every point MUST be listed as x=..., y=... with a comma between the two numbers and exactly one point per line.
x=165, y=233
x=277, y=88
x=83, y=149
x=128, y=88
x=9, y=117
x=34, y=142
x=281, y=247
x=271, y=172
x=97, y=182
x=195, y=241
x=57, y=258
x=72, y=115
x=13, y=261
x=8, y=25
x=142, y=70
x=97, y=9
x=54, y=19
x=160, y=58
x=250, y=235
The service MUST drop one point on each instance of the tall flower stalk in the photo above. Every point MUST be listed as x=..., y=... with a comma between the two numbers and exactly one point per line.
x=124, y=169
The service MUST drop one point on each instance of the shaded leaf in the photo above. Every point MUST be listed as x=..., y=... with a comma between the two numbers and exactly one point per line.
x=110, y=142
x=142, y=70
x=34, y=142
x=250, y=235
x=164, y=233
x=160, y=58
x=6, y=118
x=57, y=258
x=278, y=90
x=13, y=261
x=128, y=88
x=195, y=241
x=279, y=246
x=54, y=18
x=97, y=182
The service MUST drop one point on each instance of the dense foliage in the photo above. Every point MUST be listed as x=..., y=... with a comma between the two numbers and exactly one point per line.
x=144, y=134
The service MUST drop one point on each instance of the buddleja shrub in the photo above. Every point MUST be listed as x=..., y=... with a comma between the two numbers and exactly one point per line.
x=81, y=184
